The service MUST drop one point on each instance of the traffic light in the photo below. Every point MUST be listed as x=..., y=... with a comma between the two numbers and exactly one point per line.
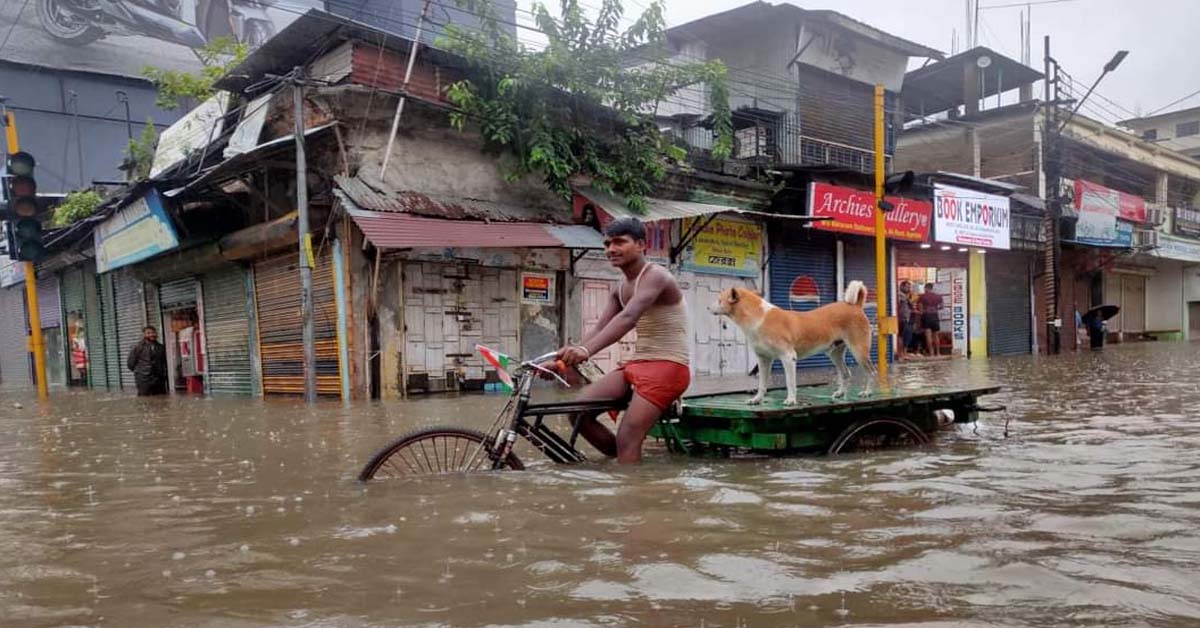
x=22, y=210
x=897, y=183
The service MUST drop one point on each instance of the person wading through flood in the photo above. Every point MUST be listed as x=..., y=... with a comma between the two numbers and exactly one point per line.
x=148, y=361
x=649, y=300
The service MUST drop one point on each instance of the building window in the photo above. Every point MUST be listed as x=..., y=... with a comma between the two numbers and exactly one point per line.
x=1184, y=129
x=1150, y=135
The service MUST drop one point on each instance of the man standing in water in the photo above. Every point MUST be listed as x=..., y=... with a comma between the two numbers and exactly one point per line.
x=649, y=300
x=148, y=361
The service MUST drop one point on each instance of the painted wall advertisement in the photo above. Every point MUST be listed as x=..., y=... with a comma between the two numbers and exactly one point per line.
x=725, y=247
x=971, y=218
x=136, y=232
x=954, y=282
x=537, y=288
x=853, y=211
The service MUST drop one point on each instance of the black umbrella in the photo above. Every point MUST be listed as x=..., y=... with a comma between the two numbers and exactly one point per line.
x=1102, y=312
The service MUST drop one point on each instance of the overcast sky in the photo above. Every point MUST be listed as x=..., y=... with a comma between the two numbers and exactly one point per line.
x=1162, y=36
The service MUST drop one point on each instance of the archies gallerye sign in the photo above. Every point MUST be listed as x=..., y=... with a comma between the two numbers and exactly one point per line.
x=970, y=218
x=853, y=211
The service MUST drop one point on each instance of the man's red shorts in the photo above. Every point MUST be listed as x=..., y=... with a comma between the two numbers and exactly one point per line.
x=660, y=382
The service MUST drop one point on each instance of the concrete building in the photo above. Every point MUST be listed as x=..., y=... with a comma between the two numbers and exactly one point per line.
x=1176, y=130
x=1120, y=244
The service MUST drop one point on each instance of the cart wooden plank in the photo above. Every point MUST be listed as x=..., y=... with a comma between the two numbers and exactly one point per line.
x=818, y=399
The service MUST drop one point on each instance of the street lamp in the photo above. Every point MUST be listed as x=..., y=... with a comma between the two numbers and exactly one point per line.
x=1108, y=67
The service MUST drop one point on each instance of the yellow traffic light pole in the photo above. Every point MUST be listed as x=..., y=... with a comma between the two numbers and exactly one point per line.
x=886, y=324
x=36, y=344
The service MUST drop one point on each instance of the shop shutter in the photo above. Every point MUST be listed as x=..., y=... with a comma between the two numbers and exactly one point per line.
x=280, y=336
x=94, y=318
x=227, y=332
x=73, y=290
x=858, y=256
x=49, y=303
x=113, y=359
x=153, y=307
x=14, y=357
x=1133, y=304
x=803, y=273
x=1010, y=329
x=177, y=294
x=131, y=319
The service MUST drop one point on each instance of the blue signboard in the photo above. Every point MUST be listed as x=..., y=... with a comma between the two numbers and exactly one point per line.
x=136, y=232
x=1119, y=235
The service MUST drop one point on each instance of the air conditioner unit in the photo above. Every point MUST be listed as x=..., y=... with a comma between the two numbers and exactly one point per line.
x=1148, y=238
x=1156, y=215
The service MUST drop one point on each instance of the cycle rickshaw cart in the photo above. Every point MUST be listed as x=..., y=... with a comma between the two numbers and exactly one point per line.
x=720, y=424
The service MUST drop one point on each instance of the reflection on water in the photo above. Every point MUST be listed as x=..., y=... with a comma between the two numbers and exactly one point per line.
x=227, y=512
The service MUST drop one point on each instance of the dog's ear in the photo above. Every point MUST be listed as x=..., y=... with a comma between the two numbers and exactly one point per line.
x=733, y=295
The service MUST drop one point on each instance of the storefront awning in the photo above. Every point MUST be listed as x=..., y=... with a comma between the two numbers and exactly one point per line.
x=656, y=208
x=395, y=230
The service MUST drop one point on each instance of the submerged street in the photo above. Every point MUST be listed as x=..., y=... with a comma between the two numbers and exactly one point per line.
x=234, y=512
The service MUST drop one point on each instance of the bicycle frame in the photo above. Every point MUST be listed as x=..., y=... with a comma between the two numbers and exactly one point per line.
x=541, y=436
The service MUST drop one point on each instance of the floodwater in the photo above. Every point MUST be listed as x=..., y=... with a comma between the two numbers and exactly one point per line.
x=227, y=512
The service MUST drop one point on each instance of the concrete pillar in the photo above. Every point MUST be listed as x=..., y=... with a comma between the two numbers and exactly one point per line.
x=971, y=88
x=977, y=304
x=1161, y=184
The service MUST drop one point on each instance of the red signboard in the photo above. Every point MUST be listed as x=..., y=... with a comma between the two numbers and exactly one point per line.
x=1094, y=197
x=853, y=211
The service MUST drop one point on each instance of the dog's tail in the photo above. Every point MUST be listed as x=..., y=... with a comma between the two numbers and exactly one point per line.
x=856, y=293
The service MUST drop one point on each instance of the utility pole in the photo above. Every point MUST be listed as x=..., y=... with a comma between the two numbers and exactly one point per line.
x=885, y=324
x=412, y=60
x=1053, y=246
x=306, y=254
x=123, y=98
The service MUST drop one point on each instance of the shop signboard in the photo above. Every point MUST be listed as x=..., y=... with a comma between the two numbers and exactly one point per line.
x=971, y=218
x=853, y=211
x=190, y=133
x=537, y=288
x=1187, y=222
x=1170, y=247
x=135, y=232
x=954, y=280
x=1095, y=198
x=725, y=247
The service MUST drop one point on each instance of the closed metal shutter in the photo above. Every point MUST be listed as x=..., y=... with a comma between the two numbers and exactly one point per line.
x=94, y=317
x=1133, y=304
x=280, y=333
x=153, y=307
x=113, y=358
x=177, y=294
x=803, y=273
x=858, y=256
x=227, y=332
x=14, y=356
x=1009, y=327
x=73, y=290
x=49, y=303
x=131, y=319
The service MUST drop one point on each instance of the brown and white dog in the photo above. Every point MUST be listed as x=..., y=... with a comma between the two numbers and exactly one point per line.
x=789, y=336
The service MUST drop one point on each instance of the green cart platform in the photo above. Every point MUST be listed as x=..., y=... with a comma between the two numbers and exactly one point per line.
x=725, y=423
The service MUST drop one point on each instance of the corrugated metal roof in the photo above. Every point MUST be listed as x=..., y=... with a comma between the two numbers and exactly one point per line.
x=656, y=208
x=397, y=230
x=369, y=197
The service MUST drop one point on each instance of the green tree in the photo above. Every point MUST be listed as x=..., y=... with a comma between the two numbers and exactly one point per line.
x=76, y=206
x=139, y=155
x=217, y=57
x=585, y=103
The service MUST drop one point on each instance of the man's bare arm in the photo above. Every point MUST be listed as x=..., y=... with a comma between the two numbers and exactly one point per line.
x=649, y=290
